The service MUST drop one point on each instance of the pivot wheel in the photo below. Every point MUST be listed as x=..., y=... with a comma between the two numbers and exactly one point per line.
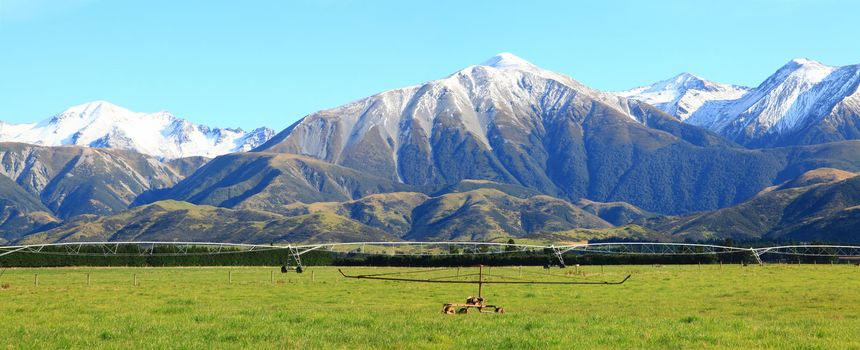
x=449, y=310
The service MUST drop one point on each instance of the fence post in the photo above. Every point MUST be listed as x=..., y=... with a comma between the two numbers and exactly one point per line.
x=36, y=279
x=272, y=278
x=135, y=280
x=88, y=278
x=313, y=276
x=230, y=277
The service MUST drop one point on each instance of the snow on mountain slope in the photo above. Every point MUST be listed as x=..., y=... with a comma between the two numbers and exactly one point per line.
x=803, y=102
x=509, y=122
x=477, y=97
x=683, y=94
x=8, y=131
x=500, y=120
x=105, y=125
x=779, y=104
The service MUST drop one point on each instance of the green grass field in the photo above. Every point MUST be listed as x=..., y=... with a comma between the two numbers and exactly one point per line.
x=669, y=307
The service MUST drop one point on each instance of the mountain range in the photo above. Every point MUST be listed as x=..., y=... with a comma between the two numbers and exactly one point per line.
x=496, y=150
x=42, y=186
x=803, y=102
x=510, y=121
x=101, y=124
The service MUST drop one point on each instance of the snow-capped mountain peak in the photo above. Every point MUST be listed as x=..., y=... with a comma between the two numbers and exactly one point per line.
x=92, y=108
x=161, y=134
x=683, y=94
x=716, y=106
x=802, y=61
x=487, y=106
x=79, y=116
x=687, y=81
x=800, y=70
x=506, y=60
x=804, y=101
x=781, y=103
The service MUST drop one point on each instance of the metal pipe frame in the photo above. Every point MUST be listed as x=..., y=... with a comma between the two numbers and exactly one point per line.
x=150, y=248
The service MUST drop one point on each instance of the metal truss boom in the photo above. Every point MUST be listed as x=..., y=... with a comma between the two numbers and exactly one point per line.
x=409, y=248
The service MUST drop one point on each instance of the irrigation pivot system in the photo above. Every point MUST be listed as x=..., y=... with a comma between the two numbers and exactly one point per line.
x=472, y=302
x=408, y=248
x=480, y=277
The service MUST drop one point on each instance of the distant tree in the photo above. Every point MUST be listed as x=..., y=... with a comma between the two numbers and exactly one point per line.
x=453, y=249
x=511, y=248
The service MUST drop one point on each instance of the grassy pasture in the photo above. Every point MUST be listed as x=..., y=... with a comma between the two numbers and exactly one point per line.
x=668, y=307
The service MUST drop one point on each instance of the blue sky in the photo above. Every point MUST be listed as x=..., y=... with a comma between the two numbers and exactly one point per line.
x=268, y=63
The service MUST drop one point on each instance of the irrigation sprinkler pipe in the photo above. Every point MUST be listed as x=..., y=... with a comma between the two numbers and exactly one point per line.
x=630, y=248
x=13, y=250
x=479, y=281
